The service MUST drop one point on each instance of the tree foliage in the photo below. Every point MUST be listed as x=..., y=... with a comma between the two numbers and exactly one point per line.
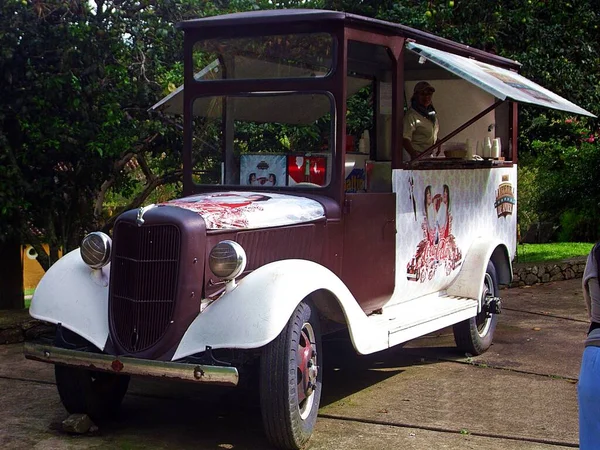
x=77, y=77
x=77, y=81
x=557, y=44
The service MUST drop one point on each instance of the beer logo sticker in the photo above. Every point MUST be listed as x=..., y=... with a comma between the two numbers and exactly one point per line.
x=505, y=198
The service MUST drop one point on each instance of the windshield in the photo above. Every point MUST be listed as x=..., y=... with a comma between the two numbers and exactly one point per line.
x=263, y=140
x=274, y=56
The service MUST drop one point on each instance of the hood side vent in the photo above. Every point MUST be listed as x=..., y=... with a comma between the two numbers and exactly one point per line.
x=265, y=246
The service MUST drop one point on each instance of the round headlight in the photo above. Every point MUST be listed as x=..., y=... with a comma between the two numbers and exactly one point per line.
x=95, y=249
x=227, y=260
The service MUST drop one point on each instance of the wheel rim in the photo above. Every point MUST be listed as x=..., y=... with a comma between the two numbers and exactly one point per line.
x=484, y=320
x=307, y=370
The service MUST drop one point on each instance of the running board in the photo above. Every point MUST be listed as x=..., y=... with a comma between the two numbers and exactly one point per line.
x=415, y=318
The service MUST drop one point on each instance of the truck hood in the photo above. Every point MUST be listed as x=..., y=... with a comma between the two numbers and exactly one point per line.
x=247, y=210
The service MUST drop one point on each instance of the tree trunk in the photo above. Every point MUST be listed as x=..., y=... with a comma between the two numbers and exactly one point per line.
x=11, y=275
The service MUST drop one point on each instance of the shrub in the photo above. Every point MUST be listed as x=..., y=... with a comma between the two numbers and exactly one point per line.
x=559, y=182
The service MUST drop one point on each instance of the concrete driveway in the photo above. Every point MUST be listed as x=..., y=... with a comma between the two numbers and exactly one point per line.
x=521, y=394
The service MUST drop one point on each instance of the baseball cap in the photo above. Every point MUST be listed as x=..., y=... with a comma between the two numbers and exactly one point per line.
x=423, y=86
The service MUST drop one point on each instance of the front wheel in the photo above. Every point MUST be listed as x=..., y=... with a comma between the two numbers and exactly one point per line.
x=97, y=394
x=290, y=380
x=475, y=335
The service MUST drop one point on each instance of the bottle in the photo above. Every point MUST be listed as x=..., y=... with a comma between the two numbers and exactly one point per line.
x=307, y=171
x=361, y=145
x=367, y=140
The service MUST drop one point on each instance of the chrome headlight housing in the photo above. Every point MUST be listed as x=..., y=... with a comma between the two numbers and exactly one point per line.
x=227, y=260
x=95, y=249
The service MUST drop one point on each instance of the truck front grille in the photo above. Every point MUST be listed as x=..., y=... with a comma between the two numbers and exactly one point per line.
x=144, y=273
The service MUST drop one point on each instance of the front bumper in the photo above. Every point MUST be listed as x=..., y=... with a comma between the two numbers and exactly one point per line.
x=227, y=376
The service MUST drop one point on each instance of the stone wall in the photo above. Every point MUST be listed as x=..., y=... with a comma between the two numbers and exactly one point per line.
x=18, y=326
x=532, y=273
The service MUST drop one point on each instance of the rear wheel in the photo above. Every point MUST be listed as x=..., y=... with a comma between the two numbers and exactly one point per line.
x=475, y=335
x=290, y=380
x=97, y=394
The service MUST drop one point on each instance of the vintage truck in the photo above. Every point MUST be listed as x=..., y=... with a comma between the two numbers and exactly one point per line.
x=296, y=222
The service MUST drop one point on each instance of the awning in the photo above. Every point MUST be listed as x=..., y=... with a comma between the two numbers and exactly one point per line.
x=501, y=83
x=173, y=103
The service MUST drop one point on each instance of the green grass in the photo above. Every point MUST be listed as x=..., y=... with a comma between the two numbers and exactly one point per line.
x=28, y=293
x=551, y=252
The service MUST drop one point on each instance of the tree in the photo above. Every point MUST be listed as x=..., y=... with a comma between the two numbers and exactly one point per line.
x=77, y=78
x=76, y=88
x=76, y=84
x=557, y=44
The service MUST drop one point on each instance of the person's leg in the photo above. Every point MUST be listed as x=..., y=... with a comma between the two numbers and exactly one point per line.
x=588, y=396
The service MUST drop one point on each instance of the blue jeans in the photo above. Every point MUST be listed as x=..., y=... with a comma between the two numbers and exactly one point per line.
x=588, y=396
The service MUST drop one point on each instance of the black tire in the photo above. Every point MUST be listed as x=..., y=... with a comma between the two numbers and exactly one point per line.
x=97, y=394
x=288, y=364
x=475, y=335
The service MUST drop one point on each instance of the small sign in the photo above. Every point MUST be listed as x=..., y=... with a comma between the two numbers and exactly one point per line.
x=263, y=170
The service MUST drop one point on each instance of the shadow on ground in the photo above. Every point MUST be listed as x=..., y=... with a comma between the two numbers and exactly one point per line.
x=182, y=415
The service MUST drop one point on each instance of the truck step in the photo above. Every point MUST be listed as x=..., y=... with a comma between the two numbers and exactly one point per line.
x=414, y=318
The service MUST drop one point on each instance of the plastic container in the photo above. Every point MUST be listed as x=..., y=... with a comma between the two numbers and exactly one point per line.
x=496, y=148
x=455, y=150
x=487, y=148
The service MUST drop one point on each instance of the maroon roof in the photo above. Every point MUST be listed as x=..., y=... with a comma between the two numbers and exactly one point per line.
x=283, y=16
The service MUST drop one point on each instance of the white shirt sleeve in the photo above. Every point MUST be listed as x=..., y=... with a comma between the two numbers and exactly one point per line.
x=410, y=125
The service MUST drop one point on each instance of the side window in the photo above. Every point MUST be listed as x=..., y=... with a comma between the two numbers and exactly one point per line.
x=368, y=118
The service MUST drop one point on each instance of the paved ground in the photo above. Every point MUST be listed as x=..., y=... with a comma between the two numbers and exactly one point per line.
x=521, y=394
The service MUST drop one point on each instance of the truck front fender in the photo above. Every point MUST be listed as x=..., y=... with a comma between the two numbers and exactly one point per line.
x=257, y=309
x=469, y=282
x=76, y=296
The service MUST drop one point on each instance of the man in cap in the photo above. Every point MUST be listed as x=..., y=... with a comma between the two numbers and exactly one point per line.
x=420, y=122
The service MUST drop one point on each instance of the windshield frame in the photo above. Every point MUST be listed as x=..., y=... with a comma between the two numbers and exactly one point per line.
x=228, y=157
x=334, y=84
x=274, y=53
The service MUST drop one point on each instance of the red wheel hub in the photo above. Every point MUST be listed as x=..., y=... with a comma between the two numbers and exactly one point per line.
x=307, y=367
